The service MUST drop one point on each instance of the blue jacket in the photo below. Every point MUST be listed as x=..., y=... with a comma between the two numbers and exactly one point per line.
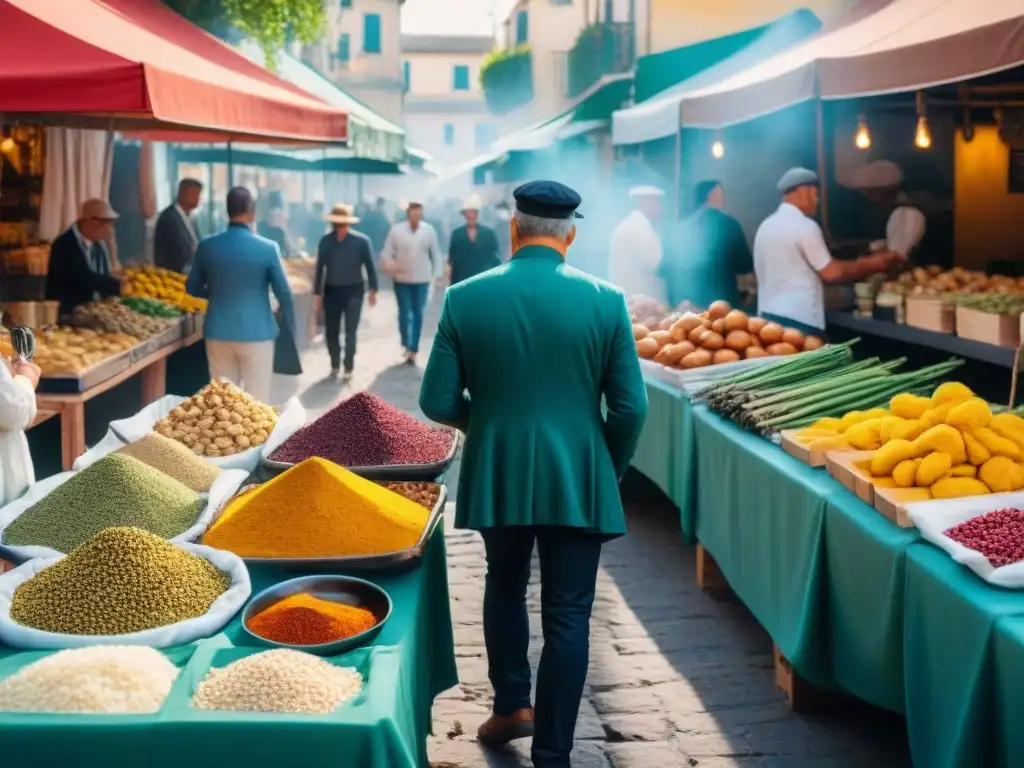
x=236, y=270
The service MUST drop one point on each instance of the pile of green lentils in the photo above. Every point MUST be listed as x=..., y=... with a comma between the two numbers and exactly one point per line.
x=117, y=490
x=121, y=580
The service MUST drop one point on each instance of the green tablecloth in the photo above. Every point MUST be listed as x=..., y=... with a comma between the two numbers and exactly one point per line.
x=865, y=556
x=411, y=662
x=761, y=515
x=665, y=452
x=949, y=662
x=1009, y=703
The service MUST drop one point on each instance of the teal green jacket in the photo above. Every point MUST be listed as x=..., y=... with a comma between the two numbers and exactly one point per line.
x=523, y=355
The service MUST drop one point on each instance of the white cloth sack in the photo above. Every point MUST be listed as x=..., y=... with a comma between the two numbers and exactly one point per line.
x=223, y=488
x=934, y=518
x=220, y=613
x=292, y=417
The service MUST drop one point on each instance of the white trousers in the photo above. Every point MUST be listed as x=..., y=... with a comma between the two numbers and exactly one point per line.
x=246, y=364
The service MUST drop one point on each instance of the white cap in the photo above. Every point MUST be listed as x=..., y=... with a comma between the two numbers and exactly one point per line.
x=646, y=191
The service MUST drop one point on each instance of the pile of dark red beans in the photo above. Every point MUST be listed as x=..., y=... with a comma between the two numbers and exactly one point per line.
x=998, y=535
x=365, y=431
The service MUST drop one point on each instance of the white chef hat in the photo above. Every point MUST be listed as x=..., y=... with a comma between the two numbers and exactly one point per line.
x=881, y=174
x=648, y=190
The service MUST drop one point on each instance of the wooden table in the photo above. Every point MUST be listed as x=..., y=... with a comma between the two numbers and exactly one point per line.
x=71, y=408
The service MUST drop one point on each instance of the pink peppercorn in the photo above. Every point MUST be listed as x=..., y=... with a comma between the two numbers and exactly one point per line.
x=998, y=535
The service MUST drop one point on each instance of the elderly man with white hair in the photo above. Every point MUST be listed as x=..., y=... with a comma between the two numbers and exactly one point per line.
x=636, y=252
x=524, y=356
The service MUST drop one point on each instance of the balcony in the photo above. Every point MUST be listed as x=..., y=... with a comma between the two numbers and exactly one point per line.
x=603, y=48
x=507, y=79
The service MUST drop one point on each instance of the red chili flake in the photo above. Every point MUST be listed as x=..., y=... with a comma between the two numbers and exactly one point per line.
x=998, y=535
x=365, y=431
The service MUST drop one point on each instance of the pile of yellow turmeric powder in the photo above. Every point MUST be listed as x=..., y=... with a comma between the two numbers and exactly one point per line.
x=317, y=509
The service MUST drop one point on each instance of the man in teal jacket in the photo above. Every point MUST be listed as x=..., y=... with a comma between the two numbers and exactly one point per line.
x=523, y=356
x=236, y=270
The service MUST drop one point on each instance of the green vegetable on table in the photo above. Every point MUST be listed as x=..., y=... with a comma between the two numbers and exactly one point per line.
x=150, y=307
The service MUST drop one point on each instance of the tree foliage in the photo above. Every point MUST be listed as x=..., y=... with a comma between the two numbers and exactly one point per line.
x=271, y=23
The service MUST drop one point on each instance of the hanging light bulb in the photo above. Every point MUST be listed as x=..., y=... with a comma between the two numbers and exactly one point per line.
x=7, y=144
x=718, y=150
x=923, y=134
x=862, y=139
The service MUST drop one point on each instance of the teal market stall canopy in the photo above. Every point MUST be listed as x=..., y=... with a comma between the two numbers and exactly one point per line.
x=370, y=136
x=329, y=160
x=701, y=65
x=881, y=47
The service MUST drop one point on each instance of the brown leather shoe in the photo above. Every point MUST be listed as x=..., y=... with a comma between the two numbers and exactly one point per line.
x=501, y=729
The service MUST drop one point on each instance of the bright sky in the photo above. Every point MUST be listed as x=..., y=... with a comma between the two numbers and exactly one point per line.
x=453, y=17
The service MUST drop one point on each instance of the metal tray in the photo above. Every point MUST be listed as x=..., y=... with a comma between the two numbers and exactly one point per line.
x=403, y=560
x=396, y=472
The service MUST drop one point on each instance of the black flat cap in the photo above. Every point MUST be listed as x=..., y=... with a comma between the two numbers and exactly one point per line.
x=795, y=178
x=547, y=200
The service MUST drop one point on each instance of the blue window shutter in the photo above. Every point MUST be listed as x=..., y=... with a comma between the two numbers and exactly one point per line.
x=461, y=77
x=371, y=33
x=343, y=47
x=346, y=3
x=406, y=72
x=449, y=134
x=522, y=28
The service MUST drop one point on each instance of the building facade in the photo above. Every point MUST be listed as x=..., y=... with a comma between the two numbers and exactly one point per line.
x=361, y=52
x=445, y=111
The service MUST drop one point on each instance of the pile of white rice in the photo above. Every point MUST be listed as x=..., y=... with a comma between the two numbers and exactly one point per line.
x=278, y=681
x=109, y=679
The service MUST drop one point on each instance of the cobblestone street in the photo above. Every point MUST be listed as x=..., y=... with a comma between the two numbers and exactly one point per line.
x=676, y=678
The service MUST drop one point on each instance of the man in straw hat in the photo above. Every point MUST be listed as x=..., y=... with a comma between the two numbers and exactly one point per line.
x=412, y=255
x=522, y=359
x=80, y=260
x=793, y=262
x=474, y=247
x=344, y=265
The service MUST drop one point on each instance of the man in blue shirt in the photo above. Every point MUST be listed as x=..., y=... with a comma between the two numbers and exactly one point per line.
x=236, y=270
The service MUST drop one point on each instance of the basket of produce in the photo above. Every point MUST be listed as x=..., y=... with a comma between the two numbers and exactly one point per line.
x=220, y=422
x=984, y=533
x=58, y=514
x=721, y=335
x=163, y=284
x=151, y=307
x=319, y=516
x=371, y=438
x=122, y=586
x=111, y=316
x=992, y=319
x=325, y=615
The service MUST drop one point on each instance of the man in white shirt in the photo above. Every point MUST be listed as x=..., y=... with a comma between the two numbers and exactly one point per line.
x=412, y=255
x=792, y=261
x=175, y=240
x=635, y=252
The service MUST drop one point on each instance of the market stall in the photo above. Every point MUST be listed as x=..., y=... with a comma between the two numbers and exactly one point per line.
x=310, y=607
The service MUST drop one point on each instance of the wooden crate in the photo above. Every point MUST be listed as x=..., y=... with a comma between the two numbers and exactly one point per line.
x=848, y=468
x=800, y=451
x=1001, y=330
x=892, y=502
x=709, y=575
x=930, y=315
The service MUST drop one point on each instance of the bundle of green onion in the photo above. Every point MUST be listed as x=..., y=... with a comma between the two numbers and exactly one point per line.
x=826, y=382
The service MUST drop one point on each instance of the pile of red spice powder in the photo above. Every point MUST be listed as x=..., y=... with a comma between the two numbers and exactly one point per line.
x=365, y=431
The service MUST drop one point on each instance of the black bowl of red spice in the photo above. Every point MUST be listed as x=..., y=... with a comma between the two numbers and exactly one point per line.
x=373, y=439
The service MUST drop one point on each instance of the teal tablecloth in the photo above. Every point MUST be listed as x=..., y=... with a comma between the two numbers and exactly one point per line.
x=665, y=452
x=865, y=556
x=411, y=662
x=761, y=515
x=949, y=667
x=1009, y=703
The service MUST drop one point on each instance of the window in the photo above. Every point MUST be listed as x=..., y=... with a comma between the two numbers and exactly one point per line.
x=343, y=47
x=449, y=134
x=522, y=28
x=346, y=3
x=484, y=134
x=560, y=2
x=461, y=77
x=371, y=33
x=406, y=72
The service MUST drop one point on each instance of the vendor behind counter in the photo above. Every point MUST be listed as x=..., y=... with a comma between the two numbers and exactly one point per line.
x=81, y=265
